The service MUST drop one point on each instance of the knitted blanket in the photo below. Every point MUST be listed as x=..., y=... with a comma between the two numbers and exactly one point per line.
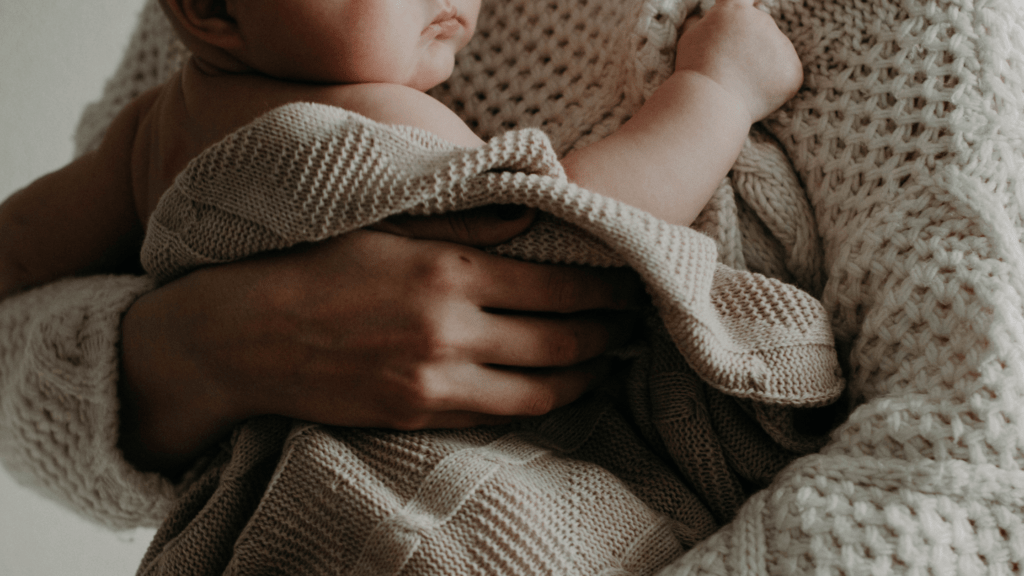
x=907, y=140
x=306, y=172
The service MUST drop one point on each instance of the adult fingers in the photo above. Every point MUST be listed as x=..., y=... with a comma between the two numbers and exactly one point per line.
x=505, y=284
x=492, y=392
x=547, y=341
x=535, y=392
x=484, y=226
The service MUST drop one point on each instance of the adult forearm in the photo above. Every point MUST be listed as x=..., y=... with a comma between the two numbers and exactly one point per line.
x=171, y=411
x=669, y=158
x=365, y=330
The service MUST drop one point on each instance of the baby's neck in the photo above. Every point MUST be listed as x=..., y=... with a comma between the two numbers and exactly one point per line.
x=219, y=64
x=207, y=68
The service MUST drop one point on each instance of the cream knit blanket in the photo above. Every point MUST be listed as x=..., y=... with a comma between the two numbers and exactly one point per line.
x=531, y=493
x=907, y=139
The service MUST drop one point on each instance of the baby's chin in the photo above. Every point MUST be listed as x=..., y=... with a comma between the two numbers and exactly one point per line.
x=435, y=76
x=430, y=73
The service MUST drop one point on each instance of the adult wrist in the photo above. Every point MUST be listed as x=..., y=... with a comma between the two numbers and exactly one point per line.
x=170, y=411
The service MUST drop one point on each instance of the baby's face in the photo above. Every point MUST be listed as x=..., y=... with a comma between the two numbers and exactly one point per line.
x=409, y=42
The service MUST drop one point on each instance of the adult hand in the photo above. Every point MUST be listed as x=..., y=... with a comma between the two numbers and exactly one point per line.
x=368, y=329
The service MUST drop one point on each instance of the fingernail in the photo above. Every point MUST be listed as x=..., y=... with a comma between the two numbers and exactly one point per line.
x=510, y=212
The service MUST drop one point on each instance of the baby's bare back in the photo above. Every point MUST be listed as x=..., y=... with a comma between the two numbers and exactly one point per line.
x=195, y=110
x=188, y=114
x=105, y=197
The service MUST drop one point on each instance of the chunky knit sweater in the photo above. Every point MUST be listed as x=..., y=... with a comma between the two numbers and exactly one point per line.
x=907, y=142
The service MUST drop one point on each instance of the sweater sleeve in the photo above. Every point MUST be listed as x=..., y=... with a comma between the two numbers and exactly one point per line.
x=59, y=346
x=59, y=368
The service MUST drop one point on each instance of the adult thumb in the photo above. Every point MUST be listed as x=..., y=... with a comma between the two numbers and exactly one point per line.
x=484, y=226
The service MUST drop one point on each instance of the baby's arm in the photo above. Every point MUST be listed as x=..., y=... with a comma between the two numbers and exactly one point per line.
x=79, y=219
x=733, y=68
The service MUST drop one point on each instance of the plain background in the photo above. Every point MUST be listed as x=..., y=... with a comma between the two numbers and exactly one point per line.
x=55, y=56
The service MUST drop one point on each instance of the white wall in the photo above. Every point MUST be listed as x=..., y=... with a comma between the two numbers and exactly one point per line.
x=54, y=58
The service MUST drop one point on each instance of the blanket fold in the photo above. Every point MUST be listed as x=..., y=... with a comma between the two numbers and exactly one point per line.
x=305, y=172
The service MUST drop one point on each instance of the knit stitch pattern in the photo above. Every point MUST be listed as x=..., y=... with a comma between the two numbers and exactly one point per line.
x=907, y=140
x=306, y=172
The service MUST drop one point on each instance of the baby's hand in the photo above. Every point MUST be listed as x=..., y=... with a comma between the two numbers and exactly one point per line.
x=741, y=48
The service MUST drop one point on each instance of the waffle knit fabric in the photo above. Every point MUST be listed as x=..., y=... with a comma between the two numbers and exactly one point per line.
x=907, y=140
x=518, y=498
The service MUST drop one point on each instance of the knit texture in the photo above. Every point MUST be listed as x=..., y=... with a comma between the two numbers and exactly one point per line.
x=59, y=367
x=527, y=494
x=907, y=139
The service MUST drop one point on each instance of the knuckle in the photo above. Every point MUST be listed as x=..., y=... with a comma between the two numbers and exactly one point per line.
x=432, y=340
x=445, y=273
x=421, y=392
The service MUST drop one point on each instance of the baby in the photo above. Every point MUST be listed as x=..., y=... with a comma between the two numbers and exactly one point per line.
x=376, y=58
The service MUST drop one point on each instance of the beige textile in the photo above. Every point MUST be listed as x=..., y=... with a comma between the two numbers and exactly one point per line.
x=524, y=496
x=907, y=139
x=414, y=503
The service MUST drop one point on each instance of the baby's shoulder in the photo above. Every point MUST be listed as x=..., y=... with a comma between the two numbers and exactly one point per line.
x=231, y=101
x=401, y=105
x=376, y=99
